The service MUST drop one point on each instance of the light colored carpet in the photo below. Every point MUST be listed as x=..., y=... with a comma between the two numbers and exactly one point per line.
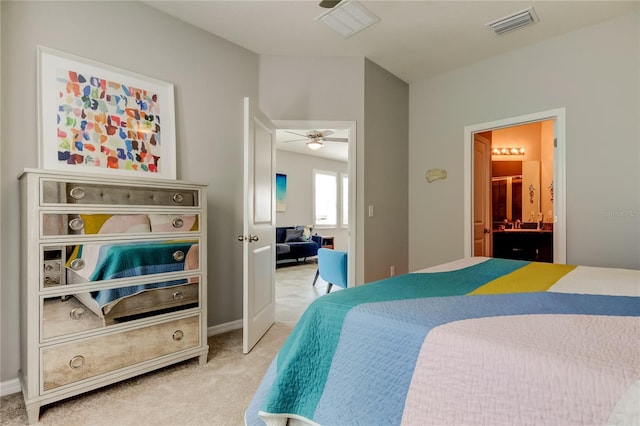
x=186, y=393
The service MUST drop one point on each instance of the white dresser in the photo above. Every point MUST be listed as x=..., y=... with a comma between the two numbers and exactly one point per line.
x=113, y=280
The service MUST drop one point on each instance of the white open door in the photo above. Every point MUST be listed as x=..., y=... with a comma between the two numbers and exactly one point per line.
x=258, y=237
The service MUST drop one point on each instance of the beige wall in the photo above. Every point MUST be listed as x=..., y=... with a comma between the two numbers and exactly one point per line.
x=211, y=77
x=593, y=73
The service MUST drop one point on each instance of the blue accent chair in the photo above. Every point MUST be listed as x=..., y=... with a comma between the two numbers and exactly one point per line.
x=332, y=267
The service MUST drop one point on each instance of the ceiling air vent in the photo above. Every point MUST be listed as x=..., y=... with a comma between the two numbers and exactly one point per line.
x=513, y=21
x=348, y=18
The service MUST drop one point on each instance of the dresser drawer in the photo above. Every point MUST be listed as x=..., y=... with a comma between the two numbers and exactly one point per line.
x=81, y=312
x=57, y=224
x=55, y=192
x=75, y=361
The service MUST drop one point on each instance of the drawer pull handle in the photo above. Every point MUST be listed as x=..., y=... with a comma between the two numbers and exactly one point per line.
x=178, y=256
x=178, y=335
x=77, y=264
x=76, y=362
x=76, y=224
x=76, y=313
x=178, y=295
x=77, y=193
x=55, y=280
x=177, y=223
x=178, y=198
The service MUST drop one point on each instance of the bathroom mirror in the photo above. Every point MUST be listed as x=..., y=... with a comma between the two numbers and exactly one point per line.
x=506, y=198
x=515, y=191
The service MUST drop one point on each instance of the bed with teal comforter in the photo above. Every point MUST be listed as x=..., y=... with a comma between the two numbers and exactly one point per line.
x=479, y=341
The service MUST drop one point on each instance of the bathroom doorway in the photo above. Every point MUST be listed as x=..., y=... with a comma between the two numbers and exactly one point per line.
x=514, y=188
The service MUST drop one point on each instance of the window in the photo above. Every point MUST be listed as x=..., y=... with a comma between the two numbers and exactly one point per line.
x=325, y=188
x=345, y=200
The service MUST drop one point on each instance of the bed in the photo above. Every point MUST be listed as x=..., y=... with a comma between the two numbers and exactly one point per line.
x=475, y=341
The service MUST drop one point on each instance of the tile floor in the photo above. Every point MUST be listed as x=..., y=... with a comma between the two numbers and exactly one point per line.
x=294, y=289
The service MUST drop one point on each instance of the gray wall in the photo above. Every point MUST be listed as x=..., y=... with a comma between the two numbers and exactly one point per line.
x=211, y=77
x=299, y=211
x=594, y=73
x=386, y=159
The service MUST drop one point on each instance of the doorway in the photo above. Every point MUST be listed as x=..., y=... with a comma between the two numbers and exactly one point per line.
x=302, y=172
x=540, y=197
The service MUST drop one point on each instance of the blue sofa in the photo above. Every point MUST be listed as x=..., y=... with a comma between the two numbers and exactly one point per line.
x=291, y=246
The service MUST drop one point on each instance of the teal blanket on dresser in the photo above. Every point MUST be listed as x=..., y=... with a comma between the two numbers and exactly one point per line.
x=352, y=356
x=132, y=260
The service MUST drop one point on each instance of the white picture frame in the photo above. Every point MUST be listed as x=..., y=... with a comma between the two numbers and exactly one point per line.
x=96, y=118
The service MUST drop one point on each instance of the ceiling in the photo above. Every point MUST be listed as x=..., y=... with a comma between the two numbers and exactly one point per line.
x=413, y=40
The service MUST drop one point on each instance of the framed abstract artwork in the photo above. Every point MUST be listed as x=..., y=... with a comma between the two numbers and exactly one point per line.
x=95, y=118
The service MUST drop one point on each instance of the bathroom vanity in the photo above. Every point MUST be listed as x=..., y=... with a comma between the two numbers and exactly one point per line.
x=523, y=244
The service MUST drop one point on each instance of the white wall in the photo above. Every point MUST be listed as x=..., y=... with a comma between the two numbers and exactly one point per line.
x=299, y=211
x=594, y=73
x=211, y=77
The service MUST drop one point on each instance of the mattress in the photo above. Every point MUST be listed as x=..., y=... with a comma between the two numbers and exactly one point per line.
x=476, y=341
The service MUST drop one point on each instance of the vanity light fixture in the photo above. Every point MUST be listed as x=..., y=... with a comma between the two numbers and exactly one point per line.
x=507, y=151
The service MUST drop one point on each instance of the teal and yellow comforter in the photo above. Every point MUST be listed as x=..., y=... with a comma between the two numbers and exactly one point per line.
x=497, y=342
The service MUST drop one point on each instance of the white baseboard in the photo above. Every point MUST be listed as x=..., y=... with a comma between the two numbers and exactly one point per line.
x=223, y=328
x=13, y=386
x=10, y=386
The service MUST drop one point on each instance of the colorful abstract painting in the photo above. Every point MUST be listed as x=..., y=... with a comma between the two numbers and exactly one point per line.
x=281, y=192
x=105, y=120
x=107, y=124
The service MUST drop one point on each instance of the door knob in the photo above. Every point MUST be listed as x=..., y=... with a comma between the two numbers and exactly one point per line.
x=241, y=238
x=486, y=231
x=253, y=238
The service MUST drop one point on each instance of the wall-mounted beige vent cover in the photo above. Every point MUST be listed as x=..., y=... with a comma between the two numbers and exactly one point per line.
x=513, y=21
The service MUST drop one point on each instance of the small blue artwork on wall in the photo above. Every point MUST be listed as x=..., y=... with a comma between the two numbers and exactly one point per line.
x=281, y=192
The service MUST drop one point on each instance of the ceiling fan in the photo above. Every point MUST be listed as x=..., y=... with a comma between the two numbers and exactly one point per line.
x=316, y=138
